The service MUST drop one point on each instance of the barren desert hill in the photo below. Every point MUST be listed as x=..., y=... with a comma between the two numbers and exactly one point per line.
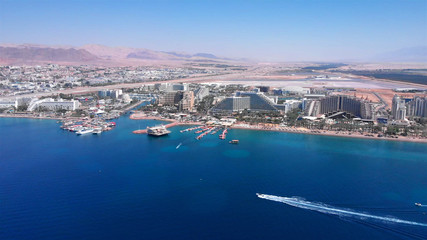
x=92, y=54
x=32, y=53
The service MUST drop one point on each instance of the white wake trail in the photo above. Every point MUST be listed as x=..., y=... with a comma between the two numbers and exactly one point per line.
x=319, y=207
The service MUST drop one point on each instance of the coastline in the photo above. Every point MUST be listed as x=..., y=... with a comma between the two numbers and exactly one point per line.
x=139, y=116
x=173, y=123
x=328, y=133
x=27, y=116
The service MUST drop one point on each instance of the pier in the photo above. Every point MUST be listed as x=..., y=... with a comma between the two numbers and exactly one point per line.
x=206, y=131
x=172, y=124
x=223, y=134
x=143, y=131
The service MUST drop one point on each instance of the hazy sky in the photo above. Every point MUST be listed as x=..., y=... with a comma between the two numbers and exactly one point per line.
x=265, y=30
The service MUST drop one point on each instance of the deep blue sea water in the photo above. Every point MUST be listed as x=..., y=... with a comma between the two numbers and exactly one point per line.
x=57, y=185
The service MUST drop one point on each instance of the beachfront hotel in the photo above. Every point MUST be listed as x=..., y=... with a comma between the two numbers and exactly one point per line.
x=340, y=104
x=51, y=104
x=253, y=101
x=231, y=104
x=402, y=108
x=417, y=107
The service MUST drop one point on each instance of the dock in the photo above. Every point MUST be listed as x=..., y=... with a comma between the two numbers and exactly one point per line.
x=223, y=135
x=172, y=124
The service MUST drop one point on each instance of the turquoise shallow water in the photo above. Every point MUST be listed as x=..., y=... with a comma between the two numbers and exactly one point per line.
x=56, y=185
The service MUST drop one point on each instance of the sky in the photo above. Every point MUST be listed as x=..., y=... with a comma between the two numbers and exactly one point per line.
x=298, y=30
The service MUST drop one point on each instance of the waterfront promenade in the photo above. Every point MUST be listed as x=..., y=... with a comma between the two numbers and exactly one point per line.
x=276, y=128
x=33, y=116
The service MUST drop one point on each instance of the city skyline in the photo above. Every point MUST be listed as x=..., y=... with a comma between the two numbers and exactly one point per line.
x=265, y=31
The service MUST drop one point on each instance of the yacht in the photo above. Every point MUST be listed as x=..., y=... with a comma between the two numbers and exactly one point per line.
x=97, y=131
x=84, y=131
x=157, y=131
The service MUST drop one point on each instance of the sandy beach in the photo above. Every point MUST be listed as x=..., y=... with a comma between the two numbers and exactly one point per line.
x=140, y=116
x=28, y=116
x=326, y=133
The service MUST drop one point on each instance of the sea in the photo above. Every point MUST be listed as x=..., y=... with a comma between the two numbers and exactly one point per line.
x=119, y=185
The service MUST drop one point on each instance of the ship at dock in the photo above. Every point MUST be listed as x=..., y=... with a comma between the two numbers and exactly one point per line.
x=84, y=131
x=157, y=131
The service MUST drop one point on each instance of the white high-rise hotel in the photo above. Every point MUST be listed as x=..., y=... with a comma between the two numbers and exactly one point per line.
x=417, y=107
x=398, y=108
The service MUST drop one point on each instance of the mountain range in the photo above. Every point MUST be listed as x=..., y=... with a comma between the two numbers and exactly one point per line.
x=94, y=54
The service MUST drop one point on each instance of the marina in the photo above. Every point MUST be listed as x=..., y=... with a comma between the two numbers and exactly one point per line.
x=190, y=129
x=87, y=125
x=205, y=130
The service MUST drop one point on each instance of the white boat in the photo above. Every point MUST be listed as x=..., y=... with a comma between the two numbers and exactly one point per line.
x=157, y=131
x=84, y=131
x=260, y=195
x=77, y=128
x=97, y=131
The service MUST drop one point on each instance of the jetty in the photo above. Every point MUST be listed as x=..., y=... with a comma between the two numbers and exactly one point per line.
x=144, y=131
x=206, y=131
x=190, y=129
x=223, y=135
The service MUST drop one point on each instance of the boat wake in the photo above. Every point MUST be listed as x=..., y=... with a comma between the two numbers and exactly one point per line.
x=179, y=145
x=323, y=208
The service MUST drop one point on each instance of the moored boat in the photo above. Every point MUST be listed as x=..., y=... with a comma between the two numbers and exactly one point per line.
x=97, y=131
x=157, y=131
x=84, y=131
